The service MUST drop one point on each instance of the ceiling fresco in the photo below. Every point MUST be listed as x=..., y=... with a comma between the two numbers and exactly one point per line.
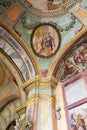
x=17, y=54
x=20, y=21
x=67, y=28
x=68, y=17
x=45, y=40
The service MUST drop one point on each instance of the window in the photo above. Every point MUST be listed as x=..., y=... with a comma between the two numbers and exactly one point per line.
x=75, y=95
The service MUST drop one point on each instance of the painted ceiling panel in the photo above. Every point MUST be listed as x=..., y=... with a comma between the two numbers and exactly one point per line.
x=12, y=46
x=63, y=14
x=18, y=21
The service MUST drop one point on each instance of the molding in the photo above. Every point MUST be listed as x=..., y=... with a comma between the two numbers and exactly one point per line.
x=63, y=9
x=21, y=110
x=34, y=100
x=16, y=52
x=24, y=123
x=40, y=82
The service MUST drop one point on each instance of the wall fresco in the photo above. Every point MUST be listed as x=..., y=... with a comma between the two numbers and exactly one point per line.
x=75, y=61
x=78, y=117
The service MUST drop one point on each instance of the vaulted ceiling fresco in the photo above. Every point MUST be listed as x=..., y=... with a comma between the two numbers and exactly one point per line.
x=22, y=22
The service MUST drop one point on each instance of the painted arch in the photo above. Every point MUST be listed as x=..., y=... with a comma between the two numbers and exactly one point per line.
x=72, y=59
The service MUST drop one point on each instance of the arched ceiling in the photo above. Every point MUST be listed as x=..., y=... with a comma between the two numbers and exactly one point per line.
x=8, y=87
x=17, y=54
x=18, y=21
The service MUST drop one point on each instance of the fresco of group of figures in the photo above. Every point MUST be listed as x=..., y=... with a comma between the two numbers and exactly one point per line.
x=78, y=117
x=74, y=62
x=76, y=100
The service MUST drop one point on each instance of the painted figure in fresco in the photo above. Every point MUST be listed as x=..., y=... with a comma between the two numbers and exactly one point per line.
x=69, y=67
x=85, y=55
x=43, y=42
x=49, y=43
x=38, y=41
x=80, y=123
x=73, y=123
x=78, y=58
x=76, y=62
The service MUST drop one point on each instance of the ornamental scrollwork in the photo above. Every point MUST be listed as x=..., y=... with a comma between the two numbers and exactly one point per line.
x=23, y=125
x=27, y=24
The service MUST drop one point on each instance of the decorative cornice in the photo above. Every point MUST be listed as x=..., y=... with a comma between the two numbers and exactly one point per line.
x=22, y=109
x=40, y=82
x=63, y=9
x=24, y=123
x=36, y=99
x=37, y=82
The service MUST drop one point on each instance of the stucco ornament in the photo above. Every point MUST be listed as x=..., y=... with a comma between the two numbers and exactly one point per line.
x=23, y=125
x=26, y=125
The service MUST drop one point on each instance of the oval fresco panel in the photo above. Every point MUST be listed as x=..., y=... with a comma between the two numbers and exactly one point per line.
x=45, y=40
